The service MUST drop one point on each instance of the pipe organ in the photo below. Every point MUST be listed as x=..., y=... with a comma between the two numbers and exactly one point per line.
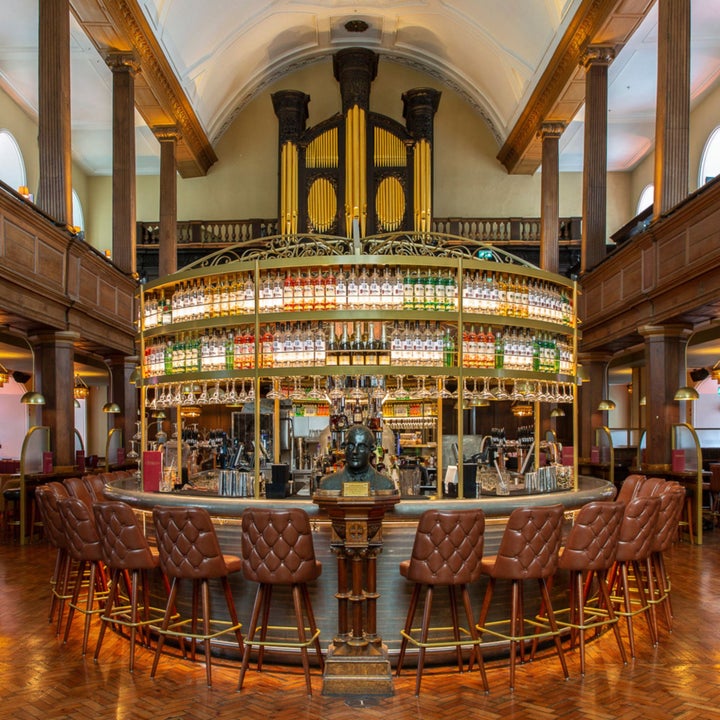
x=356, y=168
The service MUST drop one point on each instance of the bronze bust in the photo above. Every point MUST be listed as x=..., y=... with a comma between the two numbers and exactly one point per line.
x=359, y=447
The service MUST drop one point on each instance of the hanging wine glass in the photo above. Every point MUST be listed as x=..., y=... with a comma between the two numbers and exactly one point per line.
x=275, y=393
x=486, y=393
x=337, y=392
x=297, y=393
x=242, y=394
x=215, y=395
x=357, y=393
x=499, y=393
x=231, y=396
x=203, y=397
x=315, y=393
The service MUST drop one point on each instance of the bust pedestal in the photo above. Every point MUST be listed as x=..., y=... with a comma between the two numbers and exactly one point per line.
x=357, y=661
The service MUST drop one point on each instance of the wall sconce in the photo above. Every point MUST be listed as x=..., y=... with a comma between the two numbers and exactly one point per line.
x=643, y=401
x=715, y=371
x=686, y=392
x=32, y=397
x=81, y=390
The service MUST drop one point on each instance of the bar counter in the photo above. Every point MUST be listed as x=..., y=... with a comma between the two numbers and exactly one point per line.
x=398, y=534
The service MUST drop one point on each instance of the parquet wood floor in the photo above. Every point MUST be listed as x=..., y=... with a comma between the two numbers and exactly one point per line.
x=42, y=679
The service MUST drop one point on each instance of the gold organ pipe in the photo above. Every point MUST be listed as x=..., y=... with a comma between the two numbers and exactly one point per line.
x=362, y=161
x=294, y=157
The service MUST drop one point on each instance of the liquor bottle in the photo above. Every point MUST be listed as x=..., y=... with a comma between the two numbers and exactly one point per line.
x=288, y=293
x=329, y=293
x=448, y=349
x=489, y=348
x=357, y=351
x=331, y=346
x=344, y=349
x=499, y=350
x=319, y=346
x=418, y=302
x=363, y=290
x=353, y=299
x=299, y=292
x=371, y=346
x=266, y=348
x=318, y=284
x=375, y=297
x=278, y=355
x=384, y=347
x=341, y=300
x=386, y=290
x=408, y=290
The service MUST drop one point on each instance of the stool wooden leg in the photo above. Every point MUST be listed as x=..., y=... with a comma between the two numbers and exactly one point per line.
x=313, y=624
x=169, y=611
x=408, y=626
x=474, y=635
x=257, y=605
x=300, y=621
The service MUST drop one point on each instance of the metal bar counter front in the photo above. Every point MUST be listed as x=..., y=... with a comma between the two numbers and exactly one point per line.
x=399, y=529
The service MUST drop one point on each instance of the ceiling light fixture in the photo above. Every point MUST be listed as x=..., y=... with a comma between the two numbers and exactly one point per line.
x=81, y=390
x=606, y=405
x=356, y=26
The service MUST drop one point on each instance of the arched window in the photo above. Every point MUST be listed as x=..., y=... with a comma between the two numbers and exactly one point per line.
x=12, y=166
x=77, y=212
x=710, y=160
x=647, y=197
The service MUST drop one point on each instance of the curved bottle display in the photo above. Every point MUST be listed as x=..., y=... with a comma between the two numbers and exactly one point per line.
x=432, y=316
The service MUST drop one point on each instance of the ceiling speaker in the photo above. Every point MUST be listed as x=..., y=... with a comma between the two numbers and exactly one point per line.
x=699, y=375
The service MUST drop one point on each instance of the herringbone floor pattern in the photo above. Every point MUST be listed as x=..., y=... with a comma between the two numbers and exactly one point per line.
x=42, y=679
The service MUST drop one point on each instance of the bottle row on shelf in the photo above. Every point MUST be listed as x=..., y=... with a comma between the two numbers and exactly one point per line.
x=397, y=344
x=399, y=288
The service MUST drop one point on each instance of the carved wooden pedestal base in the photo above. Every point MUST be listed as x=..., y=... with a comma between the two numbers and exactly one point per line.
x=357, y=661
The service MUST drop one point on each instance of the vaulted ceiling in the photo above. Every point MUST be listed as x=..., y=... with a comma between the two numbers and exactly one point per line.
x=516, y=62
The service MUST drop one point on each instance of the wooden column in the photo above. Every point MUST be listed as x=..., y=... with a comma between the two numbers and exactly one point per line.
x=55, y=355
x=125, y=394
x=596, y=61
x=124, y=67
x=590, y=393
x=167, y=137
x=672, y=119
x=550, y=196
x=665, y=367
x=54, y=194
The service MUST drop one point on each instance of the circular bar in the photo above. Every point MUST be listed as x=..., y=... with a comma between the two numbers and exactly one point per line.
x=399, y=529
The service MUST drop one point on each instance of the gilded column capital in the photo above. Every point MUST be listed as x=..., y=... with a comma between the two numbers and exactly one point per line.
x=166, y=133
x=671, y=330
x=123, y=61
x=551, y=130
x=597, y=55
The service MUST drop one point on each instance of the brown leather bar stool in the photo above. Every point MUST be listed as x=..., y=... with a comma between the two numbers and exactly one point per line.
x=672, y=501
x=11, y=508
x=277, y=549
x=46, y=498
x=83, y=547
x=528, y=551
x=634, y=546
x=589, y=552
x=189, y=550
x=126, y=552
x=447, y=551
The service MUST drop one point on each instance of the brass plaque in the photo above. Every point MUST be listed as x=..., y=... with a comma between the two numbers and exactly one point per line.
x=356, y=489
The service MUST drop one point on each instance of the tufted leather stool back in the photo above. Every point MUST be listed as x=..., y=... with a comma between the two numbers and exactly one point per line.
x=529, y=545
x=638, y=528
x=124, y=544
x=83, y=545
x=448, y=548
x=188, y=545
x=447, y=551
x=277, y=547
x=189, y=550
x=77, y=488
x=95, y=485
x=629, y=488
x=592, y=541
